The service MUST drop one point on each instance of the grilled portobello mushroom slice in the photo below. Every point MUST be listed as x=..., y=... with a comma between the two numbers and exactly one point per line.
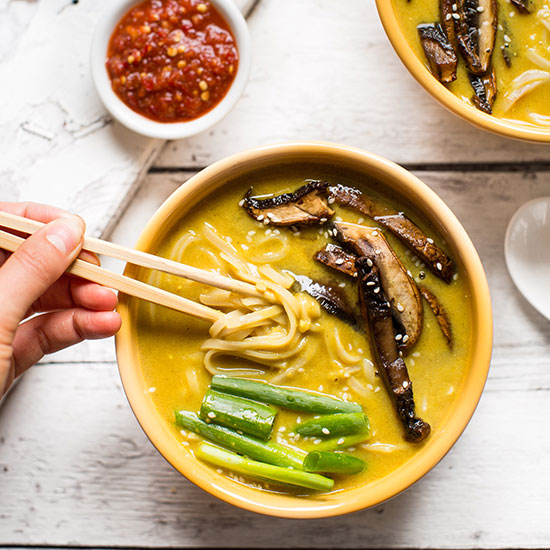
x=398, y=285
x=474, y=27
x=329, y=296
x=401, y=226
x=440, y=314
x=306, y=206
x=439, y=52
x=447, y=21
x=337, y=258
x=523, y=6
x=485, y=91
x=375, y=309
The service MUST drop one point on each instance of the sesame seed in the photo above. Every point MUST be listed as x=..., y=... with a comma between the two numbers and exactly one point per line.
x=405, y=338
x=400, y=307
x=439, y=266
x=326, y=431
x=377, y=290
x=342, y=285
x=241, y=202
x=211, y=415
x=369, y=262
x=405, y=384
x=431, y=241
x=316, y=441
x=339, y=261
x=456, y=16
x=370, y=283
x=398, y=337
x=340, y=441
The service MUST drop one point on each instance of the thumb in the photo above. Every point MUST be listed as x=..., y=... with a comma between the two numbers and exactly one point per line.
x=35, y=266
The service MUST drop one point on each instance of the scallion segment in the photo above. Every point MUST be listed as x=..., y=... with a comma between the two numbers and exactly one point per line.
x=242, y=414
x=334, y=425
x=259, y=470
x=333, y=463
x=335, y=443
x=293, y=399
x=272, y=453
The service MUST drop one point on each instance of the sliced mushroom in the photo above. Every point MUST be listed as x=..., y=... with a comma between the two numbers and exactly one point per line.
x=440, y=314
x=439, y=52
x=401, y=226
x=306, y=206
x=523, y=6
x=375, y=309
x=447, y=20
x=337, y=258
x=485, y=91
x=397, y=284
x=329, y=296
x=475, y=27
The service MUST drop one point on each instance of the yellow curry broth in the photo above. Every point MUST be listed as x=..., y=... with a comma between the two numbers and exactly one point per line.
x=525, y=32
x=169, y=343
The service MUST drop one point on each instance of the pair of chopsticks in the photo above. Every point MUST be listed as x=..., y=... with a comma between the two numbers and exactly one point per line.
x=127, y=285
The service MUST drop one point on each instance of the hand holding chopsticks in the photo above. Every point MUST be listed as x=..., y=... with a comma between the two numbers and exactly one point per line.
x=128, y=285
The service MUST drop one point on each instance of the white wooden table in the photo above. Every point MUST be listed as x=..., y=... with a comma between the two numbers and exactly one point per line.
x=76, y=469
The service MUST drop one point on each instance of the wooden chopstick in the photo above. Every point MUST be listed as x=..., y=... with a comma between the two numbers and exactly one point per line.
x=127, y=285
x=143, y=259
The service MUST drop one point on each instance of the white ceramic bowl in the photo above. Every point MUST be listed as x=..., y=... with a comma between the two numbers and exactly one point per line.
x=114, y=12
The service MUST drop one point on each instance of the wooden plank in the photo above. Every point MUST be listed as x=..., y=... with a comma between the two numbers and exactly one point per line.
x=324, y=70
x=76, y=469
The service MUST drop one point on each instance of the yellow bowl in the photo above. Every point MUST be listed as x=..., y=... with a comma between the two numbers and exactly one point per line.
x=410, y=190
x=422, y=74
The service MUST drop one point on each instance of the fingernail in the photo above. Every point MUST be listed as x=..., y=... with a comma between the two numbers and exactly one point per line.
x=65, y=234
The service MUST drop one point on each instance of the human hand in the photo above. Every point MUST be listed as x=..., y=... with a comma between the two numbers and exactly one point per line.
x=32, y=281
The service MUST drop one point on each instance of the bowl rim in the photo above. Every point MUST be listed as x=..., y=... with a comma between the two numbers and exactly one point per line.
x=167, y=130
x=421, y=463
x=445, y=97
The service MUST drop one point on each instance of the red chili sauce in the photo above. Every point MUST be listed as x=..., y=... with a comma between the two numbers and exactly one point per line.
x=172, y=60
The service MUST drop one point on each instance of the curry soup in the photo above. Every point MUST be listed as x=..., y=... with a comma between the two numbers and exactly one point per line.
x=522, y=44
x=334, y=358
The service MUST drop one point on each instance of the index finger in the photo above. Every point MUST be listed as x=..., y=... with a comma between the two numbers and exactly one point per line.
x=34, y=211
